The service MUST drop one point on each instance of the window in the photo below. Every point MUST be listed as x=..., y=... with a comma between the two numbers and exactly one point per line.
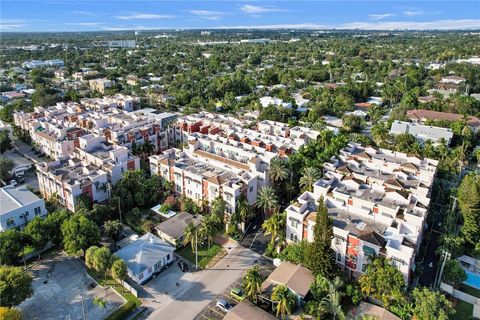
x=291, y=236
x=121, y=169
x=295, y=238
x=150, y=270
x=37, y=211
x=293, y=223
x=337, y=240
x=10, y=222
x=339, y=257
x=140, y=276
x=251, y=189
x=168, y=257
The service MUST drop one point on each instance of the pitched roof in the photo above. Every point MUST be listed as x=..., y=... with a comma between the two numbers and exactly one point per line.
x=246, y=310
x=144, y=252
x=436, y=115
x=296, y=277
x=175, y=226
x=378, y=312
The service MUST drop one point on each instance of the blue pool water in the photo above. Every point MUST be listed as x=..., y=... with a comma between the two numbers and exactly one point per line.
x=473, y=280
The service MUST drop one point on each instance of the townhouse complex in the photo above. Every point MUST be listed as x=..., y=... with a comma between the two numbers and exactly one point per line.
x=56, y=129
x=91, y=144
x=378, y=200
x=223, y=158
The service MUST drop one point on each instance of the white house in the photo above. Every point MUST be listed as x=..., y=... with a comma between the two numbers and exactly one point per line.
x=421, y=132
x=146, y=256
x=266, y=101
x=18, y=206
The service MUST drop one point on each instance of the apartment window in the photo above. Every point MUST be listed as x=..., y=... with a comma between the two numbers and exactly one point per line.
x=337, y=241
x=121, y=169
x=291, y=236
x=293, y=223
x=295, y=238
x=37, y=211
x=339, y=256
x=251, y=189
x=364, y=267
x=10, y=222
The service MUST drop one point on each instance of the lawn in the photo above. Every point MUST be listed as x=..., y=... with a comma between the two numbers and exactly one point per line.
x=205, y=254
x=471, y=291
x=463, y=310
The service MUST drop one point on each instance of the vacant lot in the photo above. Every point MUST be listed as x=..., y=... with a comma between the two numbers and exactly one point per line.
x=59, y=285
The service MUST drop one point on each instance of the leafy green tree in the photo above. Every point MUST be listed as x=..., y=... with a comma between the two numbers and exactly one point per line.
x=431, y=305
x=218, y=208
x=284, y=300
x=295, y=252
x=354, y=292
x=148, y=226
x=454, y=274
x=319, y=256
x=209, y=228
x=252, y=282
x=352, y=123
x=5, y=141
x=119, y=270
x=37, y=232
x=6, y=165
x=54, y=222
x=113, y=228
x=309, y=177
x=469, y=203
x=244, y=210
x=102, y=260
x=11, y=245
x=89, y=257
x=7, y=313
x=79, y=233
x=15, y=286
x=267, y=200
x=383, y=281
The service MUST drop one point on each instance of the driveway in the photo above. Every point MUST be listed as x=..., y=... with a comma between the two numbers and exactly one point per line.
x=201, y=287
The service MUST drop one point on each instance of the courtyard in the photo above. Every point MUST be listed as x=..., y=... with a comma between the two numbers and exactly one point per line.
x=61, y=287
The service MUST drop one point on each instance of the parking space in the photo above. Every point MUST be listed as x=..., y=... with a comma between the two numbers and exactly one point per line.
x=62, y=290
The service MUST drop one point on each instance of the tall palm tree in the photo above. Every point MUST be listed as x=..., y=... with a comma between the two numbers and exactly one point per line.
x=252, y=282
x=267, y=200
x=244, y=211
x=278, y=171
x=273, y=226
x=189, y=235
x=209, y=228
x=284, y=300
x=309, y=177
x=331, y=303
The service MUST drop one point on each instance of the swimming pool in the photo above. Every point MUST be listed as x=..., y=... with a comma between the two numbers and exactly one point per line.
x=473, y=280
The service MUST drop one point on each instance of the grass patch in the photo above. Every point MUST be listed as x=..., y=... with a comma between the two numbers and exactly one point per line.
x=205, y=254
x=110, y=282
x=463, y=310
x=470, y=290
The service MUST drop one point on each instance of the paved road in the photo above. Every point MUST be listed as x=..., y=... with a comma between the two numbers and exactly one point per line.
x=195, y=296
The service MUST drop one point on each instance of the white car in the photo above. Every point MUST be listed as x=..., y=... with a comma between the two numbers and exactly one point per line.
x=223, y=305
x=13, y=183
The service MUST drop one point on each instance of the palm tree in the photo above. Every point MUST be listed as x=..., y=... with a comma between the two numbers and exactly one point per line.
x=209, y=228
x=331, y=303
x=99, y=302
x=284, y=299
x=266, y=200
x=278, y=171
x=252, y=282
x=243, y=209
x=273, y=226
x=189, y=235
x=309, y=177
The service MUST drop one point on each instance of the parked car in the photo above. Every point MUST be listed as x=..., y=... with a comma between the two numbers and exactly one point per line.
x=223, y=305
x=183, y=266
x=13, y=183
x=237, y=294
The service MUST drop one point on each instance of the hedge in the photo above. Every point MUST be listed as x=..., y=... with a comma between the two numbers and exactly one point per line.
x=122, y=312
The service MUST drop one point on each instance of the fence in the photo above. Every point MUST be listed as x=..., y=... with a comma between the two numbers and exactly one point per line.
x=130, y=288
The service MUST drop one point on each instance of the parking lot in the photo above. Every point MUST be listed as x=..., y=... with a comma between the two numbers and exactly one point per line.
x=19, y=160
x=60, y=284
x=212, y=312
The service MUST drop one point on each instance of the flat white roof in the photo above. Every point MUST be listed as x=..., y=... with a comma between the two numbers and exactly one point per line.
x=12, y=198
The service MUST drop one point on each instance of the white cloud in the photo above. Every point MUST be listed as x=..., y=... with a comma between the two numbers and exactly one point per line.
x=82, y=13
x=447, y=24
x=84, y=24
x=412, y=13
x=207, y=14
x=144, y=16
x=380, y=16
x=11, y=24
x=461, y=24
x=250, y=9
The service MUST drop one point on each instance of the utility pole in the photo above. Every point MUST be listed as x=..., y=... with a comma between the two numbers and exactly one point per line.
x=438, y=279
x=120, y=210
x=196, y=248
x=83, y=310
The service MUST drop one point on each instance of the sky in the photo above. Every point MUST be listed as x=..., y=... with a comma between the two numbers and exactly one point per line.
x=105, y=15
